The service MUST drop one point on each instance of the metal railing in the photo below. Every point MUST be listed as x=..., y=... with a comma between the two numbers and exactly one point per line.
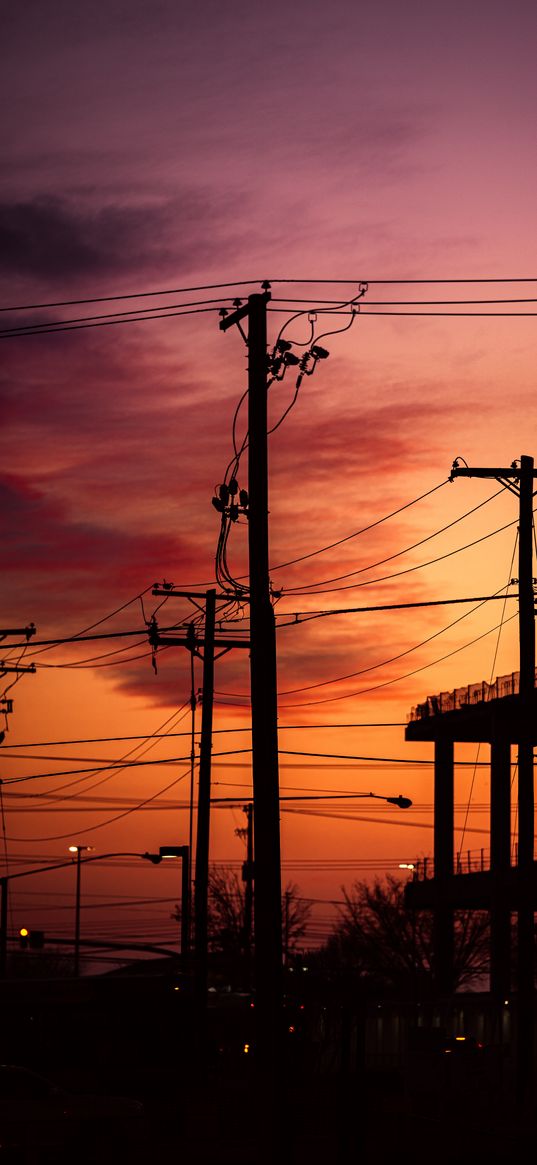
x=471, y=694
x=464, y=862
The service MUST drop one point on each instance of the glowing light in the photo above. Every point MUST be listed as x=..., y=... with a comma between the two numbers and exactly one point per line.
x=24, y=932
x=246, y=1049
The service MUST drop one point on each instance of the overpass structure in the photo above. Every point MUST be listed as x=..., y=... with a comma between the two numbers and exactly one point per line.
x=502, y=715
x=491, y=714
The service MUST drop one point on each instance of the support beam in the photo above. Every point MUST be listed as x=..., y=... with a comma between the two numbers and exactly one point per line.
x=204, y=806
x=443, y=864
x=500, y=862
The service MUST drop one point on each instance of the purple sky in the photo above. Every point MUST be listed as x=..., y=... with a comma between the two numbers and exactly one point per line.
x=165, y=145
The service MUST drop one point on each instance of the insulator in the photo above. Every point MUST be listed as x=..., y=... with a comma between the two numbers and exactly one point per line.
x=218, y=505
x=223, y=493
x=243, y=498
x=234, y=512
x=233, y=487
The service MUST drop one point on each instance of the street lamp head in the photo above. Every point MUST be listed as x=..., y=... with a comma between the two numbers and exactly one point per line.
x=402, y=802
x=172, y=851
x=78, y=849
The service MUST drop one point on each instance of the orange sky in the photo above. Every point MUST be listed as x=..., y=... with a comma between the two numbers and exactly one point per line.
x=177, y=152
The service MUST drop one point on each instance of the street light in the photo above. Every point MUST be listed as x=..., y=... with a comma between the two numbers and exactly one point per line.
x=165, y=851
x=78, y=850
x=183, y=852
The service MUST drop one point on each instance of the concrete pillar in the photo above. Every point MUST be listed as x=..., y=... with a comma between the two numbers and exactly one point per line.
x=443, y=864
x=500, y=862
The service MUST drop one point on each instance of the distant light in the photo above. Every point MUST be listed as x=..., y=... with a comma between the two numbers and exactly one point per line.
x=24, y=932
x=246, y=1049
x=73, y=849
x=460, y=1039
x=407, y=866
x=291, y=1028
x=506, y=1003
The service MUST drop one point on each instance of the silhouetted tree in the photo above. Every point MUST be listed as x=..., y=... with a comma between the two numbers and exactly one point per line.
x=226, y=913
x=380, y=939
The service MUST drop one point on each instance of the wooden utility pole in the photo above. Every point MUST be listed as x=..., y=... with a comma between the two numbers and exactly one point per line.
x=209, y=643
x=204, y=806
x=520, y=480
x=263, y=685
x=248, y=879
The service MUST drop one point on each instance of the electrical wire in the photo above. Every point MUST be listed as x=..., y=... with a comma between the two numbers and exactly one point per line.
x=12, y=333
x=409, y=569
x=216, y=731
x=297, y=617
x=116, y=315
x=141, y=748
x=397, y=679
x=132, y=295
x=364, y=529
x=374, y=666
x=110, y=820
x=373, y=566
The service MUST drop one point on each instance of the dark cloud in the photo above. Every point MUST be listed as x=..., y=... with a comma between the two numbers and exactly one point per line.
x=50, y=559
x=55, y=238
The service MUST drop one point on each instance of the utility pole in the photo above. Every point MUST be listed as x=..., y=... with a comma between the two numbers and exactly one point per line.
x=286, y=928
x=520, y=480
x=263, y=685
x=209, y=643
x=185, y=943
x=204, y=808
x=248, y=879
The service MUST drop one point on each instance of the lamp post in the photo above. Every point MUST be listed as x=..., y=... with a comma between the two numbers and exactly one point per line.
x=78, y=850
x=183, y=852
x=165, y=852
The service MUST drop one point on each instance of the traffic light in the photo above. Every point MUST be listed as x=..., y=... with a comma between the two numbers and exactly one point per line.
x=34, y=939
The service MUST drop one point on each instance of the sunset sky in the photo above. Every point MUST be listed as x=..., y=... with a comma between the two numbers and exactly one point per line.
x=163, y=147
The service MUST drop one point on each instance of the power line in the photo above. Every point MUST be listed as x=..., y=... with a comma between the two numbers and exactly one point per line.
x=253, y=282
x=398, y=553
x=383, y=663
x=410, y=569
x=397, y=679
x=110, y=820
x=115, y=315
x=42, y=331
x=216, y=731
x=298, y=617
x=408, y=302
x=356, y=533
x=132, y=295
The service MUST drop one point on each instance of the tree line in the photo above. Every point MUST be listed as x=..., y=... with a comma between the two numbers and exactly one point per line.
x=377, y=940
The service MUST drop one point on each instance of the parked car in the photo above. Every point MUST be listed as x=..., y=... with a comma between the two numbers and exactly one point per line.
x=41, y=1122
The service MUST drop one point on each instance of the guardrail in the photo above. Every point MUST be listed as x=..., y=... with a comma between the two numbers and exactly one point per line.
x=471, y=694
x=465, y=862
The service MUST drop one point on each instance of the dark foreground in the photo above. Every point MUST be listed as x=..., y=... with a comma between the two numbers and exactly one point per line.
x=120, y=1079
